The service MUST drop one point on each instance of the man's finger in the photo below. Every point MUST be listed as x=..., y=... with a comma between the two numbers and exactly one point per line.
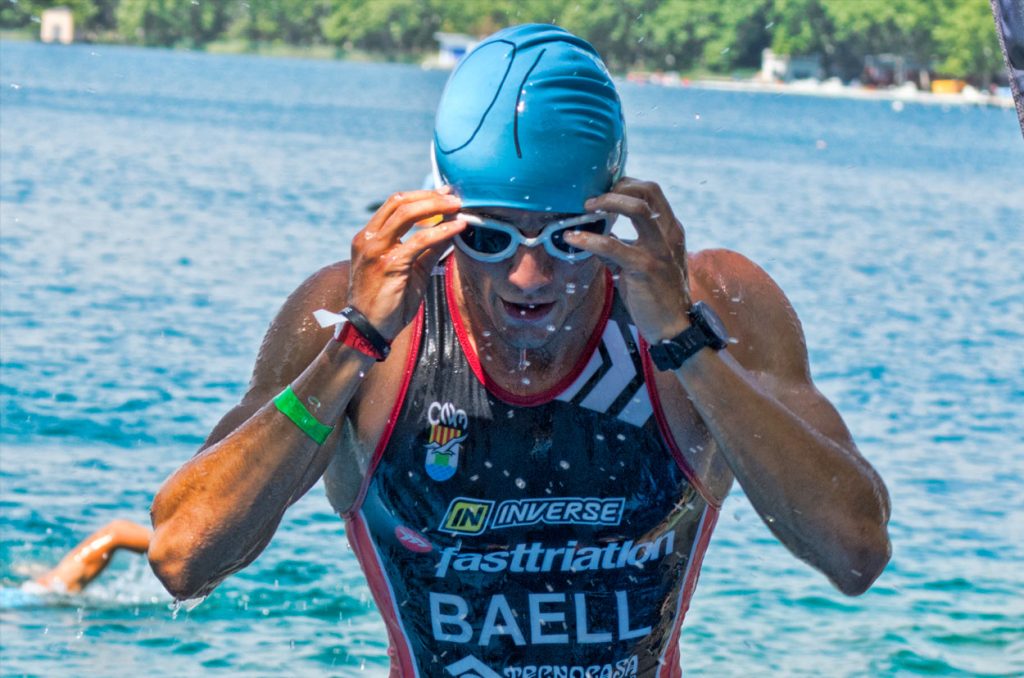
x=648, y=191
x=426, y=239
x=637, y=209
x=612, y=250
x=661, y=211
x=395, y=201
x=407, y=214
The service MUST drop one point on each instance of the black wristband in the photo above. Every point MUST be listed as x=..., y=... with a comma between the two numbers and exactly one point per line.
x=381, y=345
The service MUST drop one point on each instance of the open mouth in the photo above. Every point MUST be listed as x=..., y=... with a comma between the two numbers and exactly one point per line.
x=527, y=311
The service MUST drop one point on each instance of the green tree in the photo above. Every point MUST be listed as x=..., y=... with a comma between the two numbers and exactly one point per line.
x=171, y=22
x=801, y=27
x=616, y=29
x=866, y=27
x=707, y=34
x=389, y=26
x=966, y=42
x=292, y=22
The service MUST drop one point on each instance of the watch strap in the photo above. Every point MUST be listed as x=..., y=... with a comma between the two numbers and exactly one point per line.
x=670, y=354
x=378, y=347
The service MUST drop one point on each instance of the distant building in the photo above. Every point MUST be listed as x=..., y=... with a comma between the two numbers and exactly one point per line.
x=894, y=70
x=785, y=67
x=451, y=48
x=57, y=25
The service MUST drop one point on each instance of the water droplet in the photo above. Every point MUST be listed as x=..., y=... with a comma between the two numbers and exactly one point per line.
x=697, y=116
x=563, y=464
x=523, y=362
x=620, y=437
x=486, y=333
x=599, y=436
x=551, y=328
x=525, y=381
x=520, y=483
x=489, y=464
x=570, y=288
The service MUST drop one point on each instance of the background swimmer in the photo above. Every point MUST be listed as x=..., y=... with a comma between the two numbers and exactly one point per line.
x=87, y=561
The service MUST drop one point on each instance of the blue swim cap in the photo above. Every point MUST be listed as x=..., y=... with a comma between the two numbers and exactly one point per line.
x=530, y=119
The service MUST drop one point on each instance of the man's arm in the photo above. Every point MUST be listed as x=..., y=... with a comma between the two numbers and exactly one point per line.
x=217, y=513
x=92, y=555
x=782, y=439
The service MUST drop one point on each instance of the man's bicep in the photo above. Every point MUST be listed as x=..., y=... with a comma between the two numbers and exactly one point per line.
x=769, y=338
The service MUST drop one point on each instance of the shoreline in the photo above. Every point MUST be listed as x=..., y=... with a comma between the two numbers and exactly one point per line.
x=899, y=96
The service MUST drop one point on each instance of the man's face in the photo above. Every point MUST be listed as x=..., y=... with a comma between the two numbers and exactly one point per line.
x=530, y=299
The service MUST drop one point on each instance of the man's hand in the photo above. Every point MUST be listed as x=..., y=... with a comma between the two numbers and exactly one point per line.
x=388, y=277
x=652, y=270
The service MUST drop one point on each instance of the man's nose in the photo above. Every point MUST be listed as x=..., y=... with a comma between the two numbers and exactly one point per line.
x=531, y=268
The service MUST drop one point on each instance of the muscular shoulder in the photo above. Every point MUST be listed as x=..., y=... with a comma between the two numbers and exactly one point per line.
x=768, y=337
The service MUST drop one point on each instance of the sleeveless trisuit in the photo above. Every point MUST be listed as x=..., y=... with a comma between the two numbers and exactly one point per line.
x=555, y=535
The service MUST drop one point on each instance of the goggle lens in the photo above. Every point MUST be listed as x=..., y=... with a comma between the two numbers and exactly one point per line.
x=598, y=225
x=485, y=240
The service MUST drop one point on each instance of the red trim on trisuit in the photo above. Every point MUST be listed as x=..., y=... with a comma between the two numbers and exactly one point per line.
x=389, y=427
x=666, y=431
x=670, y=660
x=359, y=538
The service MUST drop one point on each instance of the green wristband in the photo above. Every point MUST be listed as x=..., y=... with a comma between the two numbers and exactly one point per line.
x=290, y=406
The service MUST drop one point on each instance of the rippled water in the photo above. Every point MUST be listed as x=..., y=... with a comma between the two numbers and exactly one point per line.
x=156, y=207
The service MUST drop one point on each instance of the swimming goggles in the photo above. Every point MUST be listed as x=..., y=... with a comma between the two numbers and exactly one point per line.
x=489, y=240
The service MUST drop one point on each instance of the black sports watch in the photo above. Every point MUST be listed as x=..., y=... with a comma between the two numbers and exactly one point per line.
x=706, y=330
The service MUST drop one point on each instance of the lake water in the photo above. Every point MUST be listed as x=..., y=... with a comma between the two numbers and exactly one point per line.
x=156, y=208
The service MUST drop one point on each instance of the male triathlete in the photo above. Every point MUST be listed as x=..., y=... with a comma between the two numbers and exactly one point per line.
x=531, y=476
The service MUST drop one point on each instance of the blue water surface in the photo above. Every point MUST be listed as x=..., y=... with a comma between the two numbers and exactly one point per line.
x=157, y=207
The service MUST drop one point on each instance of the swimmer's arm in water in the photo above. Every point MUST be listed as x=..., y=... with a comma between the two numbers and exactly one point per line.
x=783, y=440
x=92, y=555
x=217, y=513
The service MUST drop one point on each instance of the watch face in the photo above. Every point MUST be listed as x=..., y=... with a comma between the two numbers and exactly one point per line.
x=711, y=324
